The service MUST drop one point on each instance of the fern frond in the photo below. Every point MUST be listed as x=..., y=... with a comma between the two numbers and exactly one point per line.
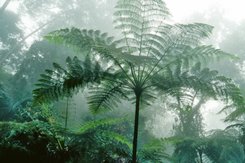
x=60, y=82
x=154, y=151
x=93, y=125
x=119, y=139
x=216, y=147
x=205, y=81
x=86, y=41
x=138, y=19
x=237, y=102
x=99, y=43
x=190, y=34
x=190, y=56
x=106, y=95
x=98, y=140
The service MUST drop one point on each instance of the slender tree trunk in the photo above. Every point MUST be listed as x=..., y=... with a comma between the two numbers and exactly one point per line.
x=4, y=6
x=136, y=126
x=66, y=116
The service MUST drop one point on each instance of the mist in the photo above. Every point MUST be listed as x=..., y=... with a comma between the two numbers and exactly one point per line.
x=122, y=81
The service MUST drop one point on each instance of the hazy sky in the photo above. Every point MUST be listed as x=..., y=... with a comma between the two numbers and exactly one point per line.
x=182, y=9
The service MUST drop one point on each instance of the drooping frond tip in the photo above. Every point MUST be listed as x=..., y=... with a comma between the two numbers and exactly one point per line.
x=107, y=95
x=60, y=82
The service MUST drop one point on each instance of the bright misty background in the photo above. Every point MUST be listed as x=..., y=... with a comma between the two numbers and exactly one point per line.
x=228, y=19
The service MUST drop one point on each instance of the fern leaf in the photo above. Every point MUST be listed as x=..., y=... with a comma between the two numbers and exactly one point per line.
x=93, y=125
x=60, y=82
x=106, y=96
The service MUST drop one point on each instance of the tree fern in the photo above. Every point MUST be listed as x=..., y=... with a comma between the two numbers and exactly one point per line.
x=216, y=147
x=98, y=140
x=149, y=49
x=103, y=123
x=193, y=88
x=205, y=81
x=62, y=82
x=155, y=151
x=106, y=96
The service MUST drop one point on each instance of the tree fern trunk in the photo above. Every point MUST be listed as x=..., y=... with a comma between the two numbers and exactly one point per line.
x=136, y=125
x=66, y=116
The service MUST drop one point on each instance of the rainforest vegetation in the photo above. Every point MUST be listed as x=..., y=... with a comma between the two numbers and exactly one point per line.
x=118, y=81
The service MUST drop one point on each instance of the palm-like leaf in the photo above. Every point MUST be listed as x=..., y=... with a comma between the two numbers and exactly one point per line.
x=155, y=151
x=143, y=59
x=97, y=139
x=103, y=45
x=103, y=123
x=107, y=95
x=90, y=41
x=216, y=147
x=181, y=83
x=62, y=82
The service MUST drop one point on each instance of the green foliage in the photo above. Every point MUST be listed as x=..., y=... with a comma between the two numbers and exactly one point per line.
x=239, y=126
x=4, y=76
x=227, y=147
x=31, y=142
x=85, y=41
x=30, y=113
x=8, y=105
x=151, y=56
x=154, y=151
x=98, y=141
x=59, y=82
x=189, y=122
x=186, y=86
x=218, y=146
x=5, y=104
x=36, y=140
x=106, y=96
x=141, y=61
x=168, y=46
x=99, y=123
x=39, y=57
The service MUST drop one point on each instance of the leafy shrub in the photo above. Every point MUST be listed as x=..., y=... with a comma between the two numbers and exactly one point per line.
x=34, y=141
